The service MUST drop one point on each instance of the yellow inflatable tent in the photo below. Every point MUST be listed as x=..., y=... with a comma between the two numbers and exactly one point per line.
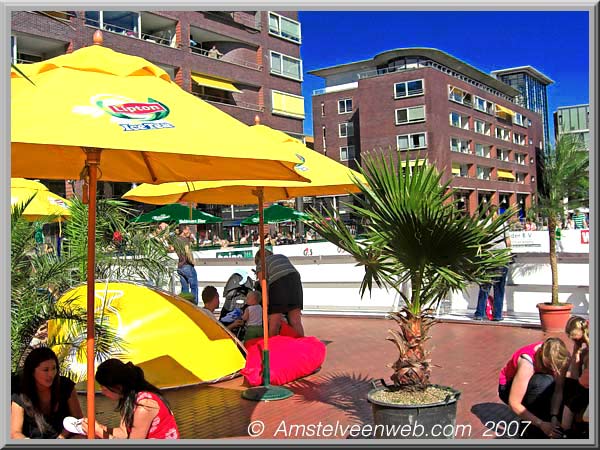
x=175, y=342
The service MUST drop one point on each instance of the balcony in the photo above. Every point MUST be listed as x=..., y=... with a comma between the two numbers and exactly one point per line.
x=208, y=44
x=250, y=19
x=226, y=100
x=144, y=26
x=27, y=49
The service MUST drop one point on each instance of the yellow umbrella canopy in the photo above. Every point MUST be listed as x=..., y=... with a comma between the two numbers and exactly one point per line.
x=44, y=203
x=327, y=177
x=99, y=114
x=149, y=129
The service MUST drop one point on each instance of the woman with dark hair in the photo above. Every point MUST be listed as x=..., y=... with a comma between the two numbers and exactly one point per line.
x=145, y=413
x=43, y=399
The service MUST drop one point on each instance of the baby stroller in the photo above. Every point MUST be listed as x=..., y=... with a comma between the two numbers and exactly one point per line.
x=235, y=291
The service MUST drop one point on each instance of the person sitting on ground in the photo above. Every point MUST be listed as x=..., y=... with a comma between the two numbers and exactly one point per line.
x=145, y=414
x=210, y=297
x=252, y=316
x=42, y=399
x=577, y=384
x=531, y=384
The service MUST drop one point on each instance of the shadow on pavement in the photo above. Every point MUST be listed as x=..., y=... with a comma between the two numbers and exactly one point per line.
x=498, y=418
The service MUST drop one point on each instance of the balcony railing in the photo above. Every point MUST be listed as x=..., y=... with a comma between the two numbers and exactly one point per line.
x=229, y=102
x=226, y=58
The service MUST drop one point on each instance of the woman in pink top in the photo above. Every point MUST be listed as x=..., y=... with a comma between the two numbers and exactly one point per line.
x=527, y=385
x=144, y=412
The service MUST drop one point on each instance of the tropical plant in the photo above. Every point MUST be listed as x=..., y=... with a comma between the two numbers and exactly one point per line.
x=415, y=236
x=135, y=257
x=564, y=175
x=37, y=281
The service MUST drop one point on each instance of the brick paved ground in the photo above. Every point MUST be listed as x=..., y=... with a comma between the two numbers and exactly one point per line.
x=468, y=358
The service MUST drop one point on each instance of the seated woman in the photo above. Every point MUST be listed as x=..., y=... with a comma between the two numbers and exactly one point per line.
x=577, y=384
x=531, y=385
x=144, y=411
x=42, y=399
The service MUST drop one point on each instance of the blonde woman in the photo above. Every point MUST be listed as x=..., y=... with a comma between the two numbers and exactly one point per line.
x=531, y=385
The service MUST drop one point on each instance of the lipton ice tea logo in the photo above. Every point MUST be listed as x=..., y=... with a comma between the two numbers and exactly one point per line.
x=130, y=114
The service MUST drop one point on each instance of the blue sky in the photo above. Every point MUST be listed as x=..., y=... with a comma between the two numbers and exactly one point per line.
x=554, y=42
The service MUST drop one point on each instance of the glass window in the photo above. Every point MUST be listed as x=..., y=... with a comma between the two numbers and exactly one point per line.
x=347, y=153
x=408, y=88
x=459, y=120
x=410, y=115
x=483, y=150
x=483, y=105
x=286, y=66
x=345, y=106
x=346, y=129
x=460, y=145
x=411, y=141
x=284, y=27
x=458, y=95
x=287, y=104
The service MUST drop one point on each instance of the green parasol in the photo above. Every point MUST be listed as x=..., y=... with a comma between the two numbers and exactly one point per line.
x=179, y=213
x=277, y=214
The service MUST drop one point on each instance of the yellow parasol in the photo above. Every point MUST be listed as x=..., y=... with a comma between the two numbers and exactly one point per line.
x=327, y=177
x=44, y=202
x=99, y=114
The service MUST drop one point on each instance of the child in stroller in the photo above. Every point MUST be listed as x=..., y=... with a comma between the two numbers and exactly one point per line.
x=235, y=291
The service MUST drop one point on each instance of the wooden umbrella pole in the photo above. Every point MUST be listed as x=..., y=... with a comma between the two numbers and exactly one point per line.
x=92, y=162
x=263, y=268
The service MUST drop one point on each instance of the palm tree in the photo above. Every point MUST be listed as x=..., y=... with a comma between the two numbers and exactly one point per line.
x=37, y=281
x=415, y=235
x=564, y=174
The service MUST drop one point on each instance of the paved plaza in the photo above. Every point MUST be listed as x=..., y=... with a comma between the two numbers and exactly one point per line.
x=467, y=357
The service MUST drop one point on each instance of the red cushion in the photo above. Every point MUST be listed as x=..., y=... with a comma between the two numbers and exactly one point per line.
x=287, y=330
x=290, y=359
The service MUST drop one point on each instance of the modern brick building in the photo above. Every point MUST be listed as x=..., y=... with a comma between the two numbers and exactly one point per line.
x=428, y=103
x=246, y=63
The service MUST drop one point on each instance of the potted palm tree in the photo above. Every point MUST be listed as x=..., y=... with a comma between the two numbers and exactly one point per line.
x=420, y=245
x=564, y=175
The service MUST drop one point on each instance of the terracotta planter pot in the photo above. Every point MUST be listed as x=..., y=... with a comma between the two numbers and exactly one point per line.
x=554, y=317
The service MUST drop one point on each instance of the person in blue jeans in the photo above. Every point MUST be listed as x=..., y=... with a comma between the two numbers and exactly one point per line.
x=499, y=283
x=185, y=264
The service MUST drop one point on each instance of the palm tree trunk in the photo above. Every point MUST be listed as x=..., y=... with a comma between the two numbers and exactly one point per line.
x=553, y=259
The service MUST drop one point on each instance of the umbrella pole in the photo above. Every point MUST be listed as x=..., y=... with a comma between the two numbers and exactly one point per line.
x=266, y=392
x=92, y=162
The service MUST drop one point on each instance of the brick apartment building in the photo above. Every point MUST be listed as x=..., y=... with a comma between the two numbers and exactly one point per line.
x=428, y=103
x=253, y=69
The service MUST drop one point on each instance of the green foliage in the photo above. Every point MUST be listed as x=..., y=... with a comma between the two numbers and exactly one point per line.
x=565, y=175
x=39, y=280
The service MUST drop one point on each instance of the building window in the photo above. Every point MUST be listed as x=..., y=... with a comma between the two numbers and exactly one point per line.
x=482, y=127
x=521, y=158
x=346, y=129
x=408, y=88
x=502, y=154
x=483, y=173
x=521, y=177
x=347, y=153
x=410, y=115
x=459, y=96
x=324, y=141
x=484, y=105
x=483, y=150
x=345, y=106
x=460, y=170
x=322, y=109
x=459, y=120
x=286, y=66
x=503, y=133
x=519, y=139
x=460, y=145
x=519, y=119
x=284, y=27
x=411, y=141
x=286, y=104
